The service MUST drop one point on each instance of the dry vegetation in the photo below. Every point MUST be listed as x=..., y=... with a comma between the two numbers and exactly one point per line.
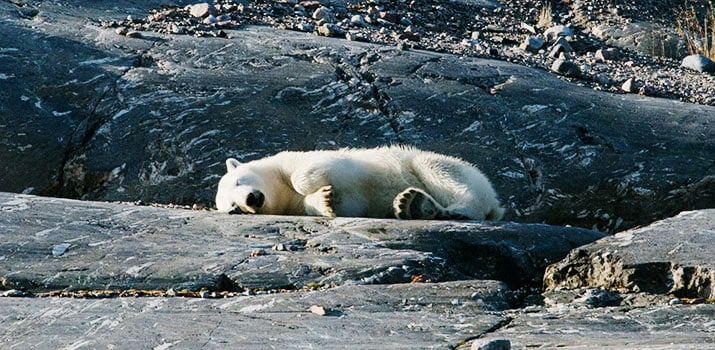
x=698, y=29
x=544, y=19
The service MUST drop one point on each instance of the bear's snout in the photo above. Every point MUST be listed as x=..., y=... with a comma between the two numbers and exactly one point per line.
x=255, y=199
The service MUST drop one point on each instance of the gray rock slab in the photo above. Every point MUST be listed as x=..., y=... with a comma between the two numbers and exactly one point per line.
x=672, y=256
x=421, y=315
x=643, y=327
x=51, y=244
x=153, y=118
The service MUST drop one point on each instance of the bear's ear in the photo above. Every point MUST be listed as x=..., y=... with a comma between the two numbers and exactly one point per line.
x=232, y=163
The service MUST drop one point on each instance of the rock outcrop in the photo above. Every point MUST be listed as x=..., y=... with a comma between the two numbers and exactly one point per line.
x=673, y=256
x=92, y=274
x=153, y=118
x=93, y=110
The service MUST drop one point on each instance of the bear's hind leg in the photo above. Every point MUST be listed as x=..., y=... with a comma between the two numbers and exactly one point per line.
x=320, y=203
x=414, y=203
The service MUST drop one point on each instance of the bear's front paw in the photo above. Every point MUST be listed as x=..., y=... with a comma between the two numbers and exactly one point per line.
x=414, y=203
x=321, y=202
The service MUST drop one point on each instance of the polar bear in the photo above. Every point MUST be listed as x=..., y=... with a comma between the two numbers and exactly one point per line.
x=384, y=182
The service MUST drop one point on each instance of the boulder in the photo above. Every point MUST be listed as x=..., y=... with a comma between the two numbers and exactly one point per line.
x=532, y=44
x=553, y=33
x=699, y=63
x=648, y=38
x=566, y=68
x=671, y=257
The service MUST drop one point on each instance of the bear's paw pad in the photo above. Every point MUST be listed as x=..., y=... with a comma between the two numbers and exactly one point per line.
x=416, y=204
x=325, y=194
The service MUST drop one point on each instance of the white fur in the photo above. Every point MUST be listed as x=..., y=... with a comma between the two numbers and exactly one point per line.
x=364, y=183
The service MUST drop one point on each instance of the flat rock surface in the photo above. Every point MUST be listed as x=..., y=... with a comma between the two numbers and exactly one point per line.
x=54, y=244
x=421, y=315
x=652, y=327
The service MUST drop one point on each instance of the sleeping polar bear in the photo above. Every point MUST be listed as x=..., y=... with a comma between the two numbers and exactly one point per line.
x=384, y=182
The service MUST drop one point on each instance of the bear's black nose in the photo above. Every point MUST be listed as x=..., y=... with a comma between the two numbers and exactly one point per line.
x=255, y=199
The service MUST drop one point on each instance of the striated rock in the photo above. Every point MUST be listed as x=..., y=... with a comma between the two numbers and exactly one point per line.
x=699, y=63
x=239, y=252
x=672, y=256
x=649, y=38
x=356, y=317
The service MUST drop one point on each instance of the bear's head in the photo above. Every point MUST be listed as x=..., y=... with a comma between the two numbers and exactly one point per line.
x=247, y=188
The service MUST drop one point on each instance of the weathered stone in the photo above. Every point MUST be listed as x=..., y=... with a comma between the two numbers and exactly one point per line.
x=566, y=68
x=491, y=344
x=558, y=31
x=642, y=327
x=629, y=86
x=532, y=44
x=357, y=317
x=609, y=54
x=330, y=29
x=672, y=256
x=699, y=63
x=649, y=38
x=201, y=10
x=323, y=14
x=124, y=246
x=560, y=46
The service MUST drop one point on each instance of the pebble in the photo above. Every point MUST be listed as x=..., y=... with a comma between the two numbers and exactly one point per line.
x=648, y=90
x=609, y=54
x=532, y=44
x=558, y=49
x=330, y=29
x=60, y=249
x=201, y=10
x=13, y=293
x=134, y=34
x=675, y=301
x=358, y=20
x=491, y=344
x=305, y=27
x=557, y=31
x=258, y=252
x=629, y=86
x=566, y=68
x=698, y=63
x=444, y=27
x=175, y=29
x=318, y=310
x=323, y=14
x=279, y=247
x=121, y=31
